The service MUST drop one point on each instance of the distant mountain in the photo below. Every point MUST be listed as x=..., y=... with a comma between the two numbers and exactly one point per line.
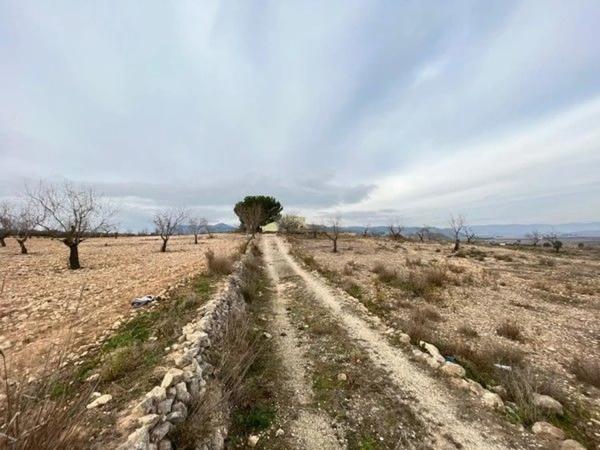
x=516, y=231
x=222, y=228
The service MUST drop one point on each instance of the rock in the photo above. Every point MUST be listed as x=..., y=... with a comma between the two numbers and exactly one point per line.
x=175, y=417
x=185, y=359
x=453, y=370
x=93, y=377
x=547, y=430
x=102, y=400
x=279, y=433
x=460, y=383
x=547, y=404
x=149, y=420
x=404, y=338
x=342, y=377
x=165, y=444
x=492, y=400
x=173, y=376
x=267, y=335
x=138, y=440
x=160, y=431
x=157, y=394
x=433, y=351
x=499, y=389
x=182, y=392
x=475, y=387
x=164, y=407
x=253, y=440
x=433, y=362
x=570, y=444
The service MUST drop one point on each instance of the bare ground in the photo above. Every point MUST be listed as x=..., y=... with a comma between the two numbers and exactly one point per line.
x=437, y=410
x=43, y=299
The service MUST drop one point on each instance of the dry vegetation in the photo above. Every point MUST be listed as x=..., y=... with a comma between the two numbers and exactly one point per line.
x=529, y=309
x=41, y=295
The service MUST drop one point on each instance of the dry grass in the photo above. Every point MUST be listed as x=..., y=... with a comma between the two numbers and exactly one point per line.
x=424, y=314
x=219, y=264
x=41, y=416
x=587, y=370
x=510, y=330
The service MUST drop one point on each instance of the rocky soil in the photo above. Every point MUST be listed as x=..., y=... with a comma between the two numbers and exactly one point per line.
x=42, y=299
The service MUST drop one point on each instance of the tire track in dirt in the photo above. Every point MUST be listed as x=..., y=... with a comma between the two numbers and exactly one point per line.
x=434, y=406
x=311, y=429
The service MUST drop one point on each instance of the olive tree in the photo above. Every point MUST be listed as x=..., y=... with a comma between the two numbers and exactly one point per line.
x=166, y=222
x=72, y=214
x=457, y=224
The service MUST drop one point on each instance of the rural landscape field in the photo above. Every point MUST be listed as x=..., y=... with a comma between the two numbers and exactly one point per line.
x=300, y=225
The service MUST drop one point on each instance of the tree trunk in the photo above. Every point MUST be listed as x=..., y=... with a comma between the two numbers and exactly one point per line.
x=195, y=239
x=2, y=242
x=74, y=257
x=22, y=244
x=335, y=245
x=163, y=248
x=456, y=245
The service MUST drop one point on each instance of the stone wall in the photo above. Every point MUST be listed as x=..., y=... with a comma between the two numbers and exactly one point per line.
x=167, y=404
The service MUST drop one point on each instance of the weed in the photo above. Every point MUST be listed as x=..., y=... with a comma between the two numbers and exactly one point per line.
x=219, y=265
x=587, y=370
x=510, y=330
x=468, y=331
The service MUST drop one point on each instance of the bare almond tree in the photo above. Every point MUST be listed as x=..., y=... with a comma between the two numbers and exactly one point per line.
x=167, y=221
x=457, y=224
x=6, y=222
x=313, y=230
x=332, y=230
x=195, y=227
x=395, y=229
x=366, y=230
x=535, y=236
x=206, y=227
x=28, y=216
x=72, y=214
x=469, y=234
x=554, y=241
x=423, y=233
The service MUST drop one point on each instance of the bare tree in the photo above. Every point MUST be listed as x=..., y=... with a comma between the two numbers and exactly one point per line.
x=366, y=230
x=553, y=239
x=469, y=234
x=457, y=224
x=27, y=218
x=206, y=227
x=72, y=214
x=535, y=236
x=332, y=230
x=167, y=221
x=291, y=223
x=6, y=219
x=423, y=233
x=313, y=229
x=195, y=226
x=395, y=229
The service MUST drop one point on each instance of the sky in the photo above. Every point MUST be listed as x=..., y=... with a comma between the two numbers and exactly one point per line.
x=376, y=111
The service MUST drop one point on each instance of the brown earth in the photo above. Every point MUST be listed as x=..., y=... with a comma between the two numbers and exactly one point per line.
x=42, y=298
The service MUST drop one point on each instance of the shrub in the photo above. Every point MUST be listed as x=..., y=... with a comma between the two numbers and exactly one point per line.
x=468, y=331
x=548, y=262
x=218, y=265
x=352, y=288
x=423, y=314
x=510, y=330
x=587, y=370
x=414, y=262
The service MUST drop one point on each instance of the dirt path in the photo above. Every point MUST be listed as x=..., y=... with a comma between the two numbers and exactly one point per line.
x=447, y=422
x=311, y=429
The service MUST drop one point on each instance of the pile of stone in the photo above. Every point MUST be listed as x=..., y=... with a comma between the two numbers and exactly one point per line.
x=167, y=404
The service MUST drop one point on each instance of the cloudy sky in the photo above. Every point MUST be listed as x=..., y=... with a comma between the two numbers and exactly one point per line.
x=373, y=110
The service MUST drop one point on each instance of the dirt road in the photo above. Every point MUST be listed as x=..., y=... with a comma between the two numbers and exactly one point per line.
x=450, y=421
